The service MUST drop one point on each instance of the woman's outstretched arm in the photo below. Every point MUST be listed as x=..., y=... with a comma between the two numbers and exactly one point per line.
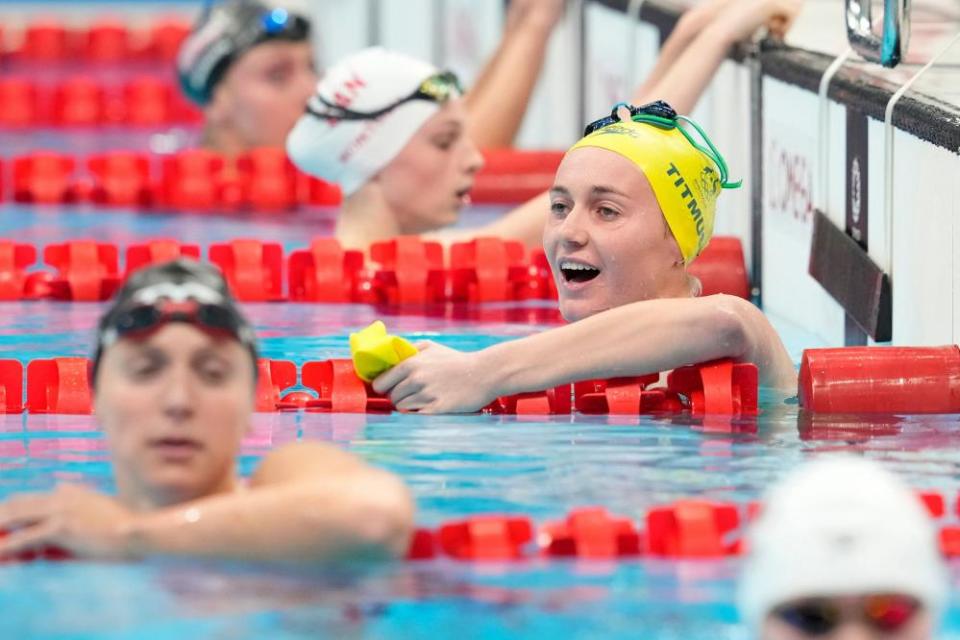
x=308, y=503
x=635, y=339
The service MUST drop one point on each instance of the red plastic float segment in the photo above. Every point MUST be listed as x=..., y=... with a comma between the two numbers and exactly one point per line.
x=486, y=538
x=121, y=178
x=339, y=390
x=148, y=102
x=933, y=502
x=158, y=251
x=591, y=532
x=317, y=192
x=274, y=377
x=14, y=259
x=51, y=554
x=106, y=40
x=165, y=37
x=19, y=103
x=718, y=388
x=191, y=180
x=423, y=545
x=253, y=269
x=47, y=40
x=411, y=271
x=79, y=101
x=721, y=268
x=325, y=272
x=555, y=401
x=541, y=285
x=510, y=176
x=615, y=396
x=268, y=180
x=87, y=270
x=692, y=529
x=43, y=178
x=881, y=380
x=60, y=385
x=485, y=269
x=11, y=386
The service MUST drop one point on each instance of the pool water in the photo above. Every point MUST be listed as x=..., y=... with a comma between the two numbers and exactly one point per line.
x=456, y=465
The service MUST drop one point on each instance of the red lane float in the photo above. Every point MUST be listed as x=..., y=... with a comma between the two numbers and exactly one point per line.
x=14, y=260
x=718, y=388
x=106, y=40
x=510, y=176
x=339, y=390
x=692, y=529
x=721, y=268
x=11, y=386
x=268, y=180
x=325, y=273
x=121, y=178
x=191, y=180
x=485, y=270
x=486, y=538
x=556, y=401
x=79, y=102
x=158, y=251
x=881, y=380
x=273, y=377
x=43, y=178
x=60, y=385
x=19, y=103
x=411, y=271
x=148, y=102
x=590, y=532
x=47, y=40
x=87, y=271
x=253, y=269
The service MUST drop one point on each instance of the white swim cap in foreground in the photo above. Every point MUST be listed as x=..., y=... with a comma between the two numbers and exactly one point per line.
x=350, y=150
x=840, y=526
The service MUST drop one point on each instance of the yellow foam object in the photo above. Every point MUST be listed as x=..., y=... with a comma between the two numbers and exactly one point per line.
x=375, y=351
x=684, y=180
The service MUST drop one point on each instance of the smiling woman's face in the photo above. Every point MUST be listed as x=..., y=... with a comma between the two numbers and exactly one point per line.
x=174, y=406
x=606, y=239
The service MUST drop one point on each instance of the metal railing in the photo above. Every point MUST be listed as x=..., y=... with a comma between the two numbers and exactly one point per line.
x=886, y=45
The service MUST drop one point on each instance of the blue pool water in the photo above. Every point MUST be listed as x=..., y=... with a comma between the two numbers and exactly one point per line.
x=456, y=465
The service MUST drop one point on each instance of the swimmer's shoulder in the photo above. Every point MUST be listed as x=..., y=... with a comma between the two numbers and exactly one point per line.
x=299, y=461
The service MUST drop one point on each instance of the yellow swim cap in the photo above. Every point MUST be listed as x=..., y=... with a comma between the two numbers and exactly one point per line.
x=685, y=179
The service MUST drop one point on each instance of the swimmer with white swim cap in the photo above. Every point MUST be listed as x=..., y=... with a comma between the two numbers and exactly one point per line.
x=633, y=204
x=174, y=384
x=842, y=550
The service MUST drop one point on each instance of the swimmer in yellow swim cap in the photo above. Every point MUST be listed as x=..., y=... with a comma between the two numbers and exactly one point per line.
x=631, y=206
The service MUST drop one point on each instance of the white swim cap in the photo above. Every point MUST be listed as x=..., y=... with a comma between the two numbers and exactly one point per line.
x=840, y=526
x=350, y=150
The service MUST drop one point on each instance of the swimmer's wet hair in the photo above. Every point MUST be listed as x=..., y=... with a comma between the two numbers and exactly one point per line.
x=181, y=278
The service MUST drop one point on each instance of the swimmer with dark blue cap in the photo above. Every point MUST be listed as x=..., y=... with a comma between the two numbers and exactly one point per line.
x=249, y=65
x=174, y=392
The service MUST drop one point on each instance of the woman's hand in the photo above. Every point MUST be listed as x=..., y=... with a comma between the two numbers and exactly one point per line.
x=439, y=380
x=740, y=19
x=76, y=519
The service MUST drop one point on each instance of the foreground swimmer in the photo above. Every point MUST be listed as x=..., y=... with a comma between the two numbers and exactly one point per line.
x=398, y=137
x=174, y=378
x=632, y=205
x=842, y=550
x=249, y=65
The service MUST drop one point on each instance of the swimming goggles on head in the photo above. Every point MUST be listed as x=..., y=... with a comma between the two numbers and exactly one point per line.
x=883, y=613
x=438, y=88
x=662, y=115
